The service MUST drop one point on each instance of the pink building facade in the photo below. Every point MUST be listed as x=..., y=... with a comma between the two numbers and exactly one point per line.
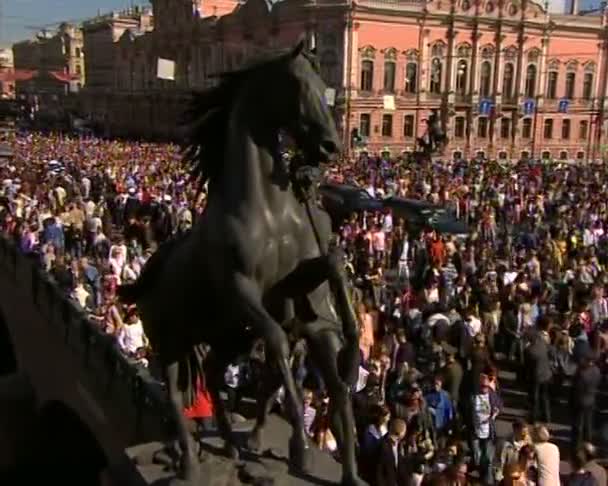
x=508, y=78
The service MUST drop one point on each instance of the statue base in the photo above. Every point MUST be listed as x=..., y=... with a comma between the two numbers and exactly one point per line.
x=269, y=468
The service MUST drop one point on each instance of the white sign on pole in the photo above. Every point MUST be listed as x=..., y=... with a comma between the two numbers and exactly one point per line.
x=165, y=69
x=330, y=96
x=389, y=102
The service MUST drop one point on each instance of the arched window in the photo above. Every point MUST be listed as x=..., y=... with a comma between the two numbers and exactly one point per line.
x=570, y=84
x=389, y=76
x=530, y=90
x=462, y=77
x=367, y=75
x=485, y=79
x=507, y=81
x=588, y=86
x=552, y=85
x=436, y=73
x=411, y=77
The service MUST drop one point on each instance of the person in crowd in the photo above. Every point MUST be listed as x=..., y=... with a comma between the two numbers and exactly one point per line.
x=391, y=462
x=583, y=399
x=509, y=455
x=485, y=407
x=547, y=458
x=580, y=476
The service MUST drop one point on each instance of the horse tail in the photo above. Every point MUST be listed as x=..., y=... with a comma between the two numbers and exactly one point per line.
x=129, y=293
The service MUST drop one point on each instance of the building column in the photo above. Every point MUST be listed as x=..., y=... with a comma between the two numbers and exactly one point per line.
x=471, y=135
x=497, y=72
x=516, y=121
x=424, y=66
x=449, y=97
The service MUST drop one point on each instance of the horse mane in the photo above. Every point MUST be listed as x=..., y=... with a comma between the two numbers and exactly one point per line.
x=207, y=115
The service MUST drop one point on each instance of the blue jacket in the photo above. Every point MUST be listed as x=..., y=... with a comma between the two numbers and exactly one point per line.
x=441, y=408
x=53, y=233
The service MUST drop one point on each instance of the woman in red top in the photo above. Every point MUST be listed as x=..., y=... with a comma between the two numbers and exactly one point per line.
x=201, y=411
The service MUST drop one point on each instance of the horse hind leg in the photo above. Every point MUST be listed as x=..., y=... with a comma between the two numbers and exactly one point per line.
x=188, y=470
x=215, y=369
x=325, y=351
x=269, y=388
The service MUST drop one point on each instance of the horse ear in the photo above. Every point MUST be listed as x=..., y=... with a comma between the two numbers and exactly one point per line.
x=298, y=49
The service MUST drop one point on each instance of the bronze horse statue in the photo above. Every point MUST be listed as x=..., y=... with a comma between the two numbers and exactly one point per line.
x=257, y=259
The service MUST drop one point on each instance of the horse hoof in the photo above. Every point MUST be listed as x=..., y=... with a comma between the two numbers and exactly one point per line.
x=353, y=481
x=255, y=442
x=300, y=456
x=232, y=452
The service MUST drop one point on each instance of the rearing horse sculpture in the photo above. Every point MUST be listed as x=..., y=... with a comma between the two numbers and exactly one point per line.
x=257, y=258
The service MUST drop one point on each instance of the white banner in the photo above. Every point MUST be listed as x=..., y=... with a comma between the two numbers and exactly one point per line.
x=330, y=96
x=389, y=102
x=165, y=69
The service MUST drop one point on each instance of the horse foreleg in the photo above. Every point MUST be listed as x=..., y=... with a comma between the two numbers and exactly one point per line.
x=215, y=379
x=188, y=468
x=251, y=310
x=270, y=385
x=349, y=357
x=325, y=349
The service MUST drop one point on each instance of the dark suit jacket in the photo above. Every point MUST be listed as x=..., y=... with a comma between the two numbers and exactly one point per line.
x=387, y=473
x=538, y=361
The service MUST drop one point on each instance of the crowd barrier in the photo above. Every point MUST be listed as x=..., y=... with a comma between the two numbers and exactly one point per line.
x=98, y=353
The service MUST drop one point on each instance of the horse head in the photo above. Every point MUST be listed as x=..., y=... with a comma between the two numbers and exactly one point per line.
x=290, y=96
x=283, y=94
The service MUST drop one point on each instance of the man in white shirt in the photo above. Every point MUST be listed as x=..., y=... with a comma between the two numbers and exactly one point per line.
x=547, y=458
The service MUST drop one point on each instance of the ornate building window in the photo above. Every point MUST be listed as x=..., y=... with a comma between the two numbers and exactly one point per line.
x=390, y=70
x=570, y=86
x=583, y=129
x=437, y=55
x=364, y=124
x=367, y=75
x=411, y=77
x=482, y=127
x=459, y=124
x=588, y=84
x=387, y=125
x=505, y=127
x=548, y=129
x=408, y=126
x=566, y=129
x=507, y=81
x=485, y=79
x=436, y=73
x=462, y=77
x=367, y=68
x=526, y=128
x=530, y=87
x=552, y=85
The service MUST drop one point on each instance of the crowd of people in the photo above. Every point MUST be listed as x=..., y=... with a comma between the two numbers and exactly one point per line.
x=442, y=318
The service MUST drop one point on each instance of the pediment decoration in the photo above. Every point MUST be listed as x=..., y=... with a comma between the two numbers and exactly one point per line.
x=438, y=49
x=463, y=50
x=411, y=54
x=368, y=52
x=487, y=51
x=590, y=66
x=390, y=54
x=533, y=54
x=572, y=65
x=511, y=52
